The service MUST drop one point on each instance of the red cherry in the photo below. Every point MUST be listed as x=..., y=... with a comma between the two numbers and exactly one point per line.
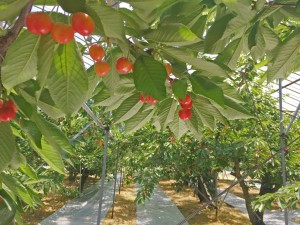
x=82, y=23
x=1, y=103
x=185, y=101
x=96, y=52
x=62, y=33
x=143, y=99
x=6, y=114
x=39, y=23
x=187, y=106
x=102, y=68
x=168, y=68
x=123, y=65
x=185, y=114
x=151, y=100
x=172, y=139
x=10, y=104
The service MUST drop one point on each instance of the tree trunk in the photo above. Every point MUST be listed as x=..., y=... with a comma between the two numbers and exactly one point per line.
x=202, y=191
x=256, y=218
x=84, y=176
x=72, y=176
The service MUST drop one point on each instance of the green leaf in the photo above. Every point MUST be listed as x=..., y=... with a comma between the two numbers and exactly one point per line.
x=53, y=135
x=283, y=62
x=215, y=32
x=48, y=106
x=17, y=188
x=166, y=112
x=107, y=20
x=68, y=82
x=207, y=112
x=231, y=53
x=207, y=68
x=179, y=88
x=133, y=20
x=128, y=108
x=140, y=119
x=6, y=215
x=195, y=125
x=177, y=126
x=51, y=156
x=271, y=39
x=11, y=9
x=148, y=10
x=206, y=87
x=93, y=80
x=20, y=63
x=126, y=85
x=173, y=35
x=31, y=129
x=29, y=171
x=112, y=79
x=45, y=55
x=149, y=77
x=232, y=110
x=7, y=145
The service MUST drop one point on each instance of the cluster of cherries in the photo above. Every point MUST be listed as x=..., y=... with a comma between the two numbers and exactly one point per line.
x=40, y=23
x=186, y=104
x=8, y=110
x=102, y=68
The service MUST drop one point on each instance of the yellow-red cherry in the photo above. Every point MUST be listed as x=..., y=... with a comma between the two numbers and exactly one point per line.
x=102, y=68
x=123, y=65
x=168, y=68
x=96, y=52
x=62, y=33
x=39, y=23
x=83, y=24
x=185, y=114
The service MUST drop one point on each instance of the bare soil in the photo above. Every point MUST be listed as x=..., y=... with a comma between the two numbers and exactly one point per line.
x=237, y=190
x=125, y=208
x=187, y=203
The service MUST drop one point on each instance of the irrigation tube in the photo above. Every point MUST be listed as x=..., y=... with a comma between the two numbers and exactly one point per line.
x=282, y=145
x=103, y=175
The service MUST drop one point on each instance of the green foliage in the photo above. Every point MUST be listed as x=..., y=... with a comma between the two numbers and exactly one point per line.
x=206, y=42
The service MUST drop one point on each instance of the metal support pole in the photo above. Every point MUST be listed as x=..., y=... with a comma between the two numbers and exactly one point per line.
x=282, y=144
x=80, y=180
x=120, y=183
x=116, y=179
x=103, y=176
